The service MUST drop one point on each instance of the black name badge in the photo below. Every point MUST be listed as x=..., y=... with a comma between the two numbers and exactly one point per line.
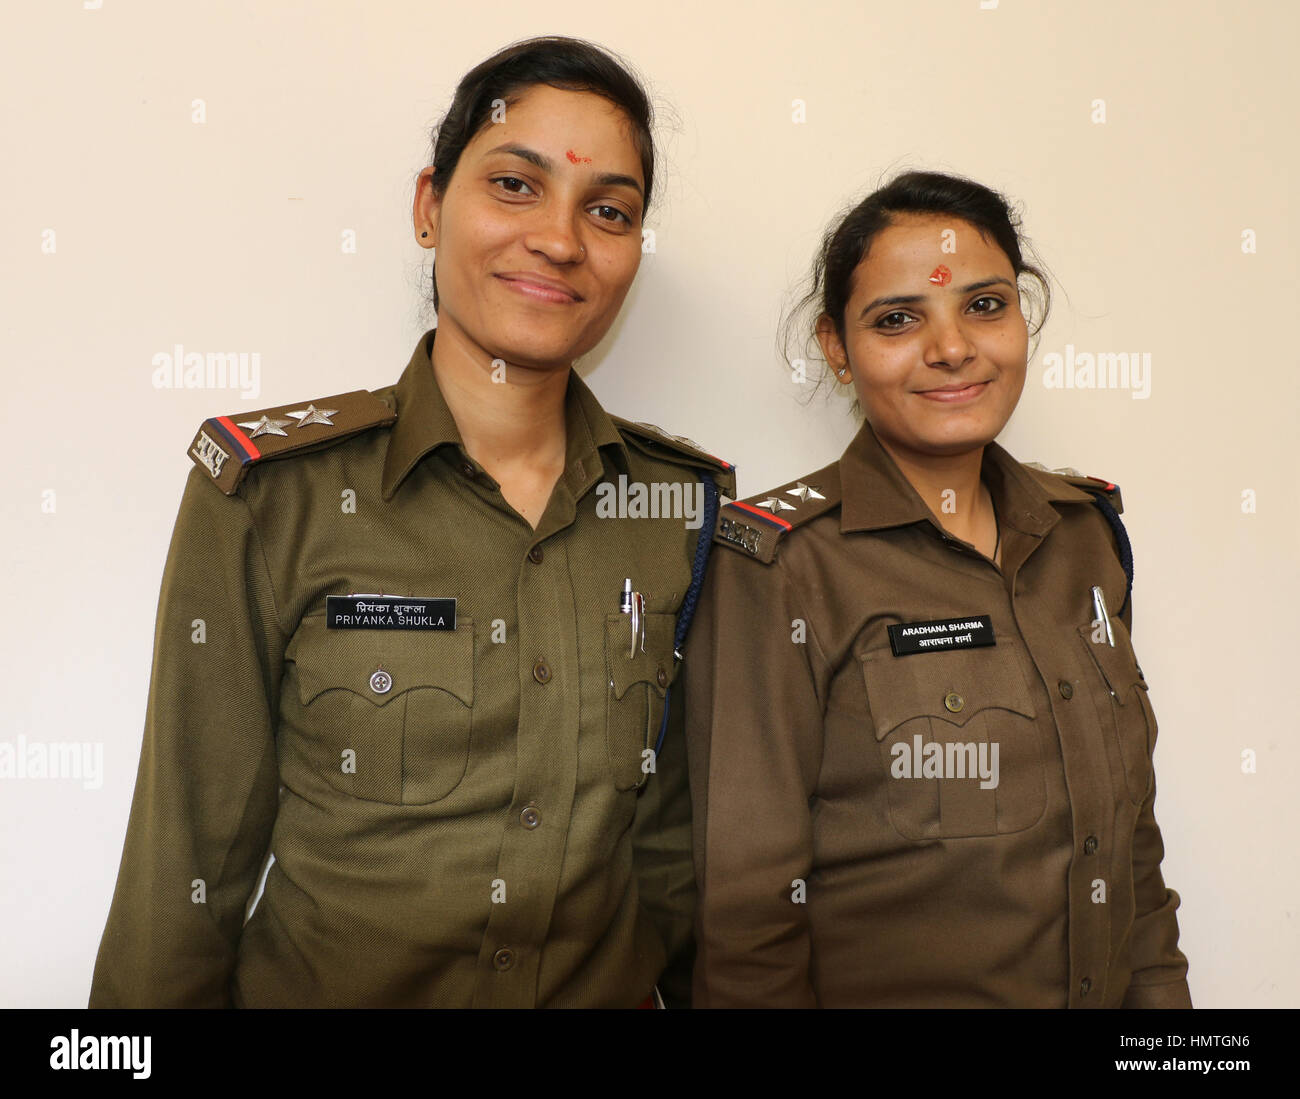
x=947, y=633
x=389, y=612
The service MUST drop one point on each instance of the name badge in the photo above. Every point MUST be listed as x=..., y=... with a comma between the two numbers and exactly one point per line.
x=947, y=633
x=389, y=612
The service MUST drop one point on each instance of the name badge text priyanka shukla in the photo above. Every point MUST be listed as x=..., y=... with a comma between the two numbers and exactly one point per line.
x=389, y=612
x=947, y=633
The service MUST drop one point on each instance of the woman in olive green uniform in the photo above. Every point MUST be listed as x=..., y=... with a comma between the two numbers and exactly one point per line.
x=920, y=738
x=393, y=647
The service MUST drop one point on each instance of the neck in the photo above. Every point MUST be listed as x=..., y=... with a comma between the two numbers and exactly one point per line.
x=951, y=487
x=505, y=425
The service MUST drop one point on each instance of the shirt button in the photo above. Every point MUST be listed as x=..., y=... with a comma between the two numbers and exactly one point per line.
x=530, y=818
x=1090, y=845
x=381, y=682
x=535, y=555
x=661, y=677
x=1067, y=688
x=953, y=702
x=1084, y=986
x=467, y=470
x=503, y=959
x=541, y=672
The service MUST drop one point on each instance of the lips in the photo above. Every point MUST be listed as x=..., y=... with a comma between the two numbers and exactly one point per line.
x=955, y=394
x=539, y=287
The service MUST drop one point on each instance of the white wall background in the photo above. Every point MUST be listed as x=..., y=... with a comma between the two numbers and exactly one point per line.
x=126, y=228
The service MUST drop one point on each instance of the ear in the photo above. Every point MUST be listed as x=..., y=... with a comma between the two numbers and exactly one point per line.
x=833, y=348
x=426, y=210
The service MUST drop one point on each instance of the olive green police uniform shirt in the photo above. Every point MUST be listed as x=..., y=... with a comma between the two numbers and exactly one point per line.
x=496, y=839
x=828, y=875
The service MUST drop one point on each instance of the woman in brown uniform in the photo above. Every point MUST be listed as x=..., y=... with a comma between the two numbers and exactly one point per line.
x=920, y=739
x=392, y=645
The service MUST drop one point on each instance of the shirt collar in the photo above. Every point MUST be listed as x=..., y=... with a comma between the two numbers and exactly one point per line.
x=876, y=495
x=424, y=423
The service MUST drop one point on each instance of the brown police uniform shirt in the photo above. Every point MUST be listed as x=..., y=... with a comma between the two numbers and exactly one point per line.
x=457, y=816
x=841, y=863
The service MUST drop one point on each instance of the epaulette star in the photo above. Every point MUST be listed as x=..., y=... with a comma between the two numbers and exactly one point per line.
x=225, y=450
x=756, y=525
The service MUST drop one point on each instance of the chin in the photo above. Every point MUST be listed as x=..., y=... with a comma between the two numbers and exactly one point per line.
x=524, y=344
x=949, y=443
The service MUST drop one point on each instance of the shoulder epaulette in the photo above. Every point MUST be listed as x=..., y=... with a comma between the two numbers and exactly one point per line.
x=227, y=447
x=1105, y=495
x=1090, y=485
x=755, y=525
x=655, y=442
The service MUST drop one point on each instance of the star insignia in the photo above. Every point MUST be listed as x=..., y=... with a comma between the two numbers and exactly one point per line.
x=668, y=435
x=773, y=504
x=266, y=426
x=805, y=492
x=1067, y=471
x=313, y=415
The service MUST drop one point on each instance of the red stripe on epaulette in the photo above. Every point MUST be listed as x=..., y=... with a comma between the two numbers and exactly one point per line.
x=722, y=461
x=239, y=438
x=1110, y=487
x=760, y=513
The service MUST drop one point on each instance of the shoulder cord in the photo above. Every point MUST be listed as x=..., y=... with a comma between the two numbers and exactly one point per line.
x=698, y=566
x=1121, y=540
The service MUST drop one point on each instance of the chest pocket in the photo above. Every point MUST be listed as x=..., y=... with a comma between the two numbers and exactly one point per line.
x=1123, y=706
x=634, y=704
x=958, y=741
x=387, y=712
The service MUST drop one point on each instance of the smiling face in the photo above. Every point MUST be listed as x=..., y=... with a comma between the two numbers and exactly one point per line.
x=934, y=341
x=538, y=233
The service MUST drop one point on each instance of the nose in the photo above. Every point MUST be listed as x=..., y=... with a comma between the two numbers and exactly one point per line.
x=553, y=233
x=950, y=346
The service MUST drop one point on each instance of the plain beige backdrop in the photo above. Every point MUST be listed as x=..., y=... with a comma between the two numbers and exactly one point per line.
x=180, y=172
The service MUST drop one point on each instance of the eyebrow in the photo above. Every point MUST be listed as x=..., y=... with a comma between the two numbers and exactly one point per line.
x=913, y=299
x=602, y=179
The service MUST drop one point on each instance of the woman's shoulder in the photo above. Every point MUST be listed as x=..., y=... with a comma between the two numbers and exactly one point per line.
x=226, y=448
x=757, y=525
x=1066, y=479
x=659, y=445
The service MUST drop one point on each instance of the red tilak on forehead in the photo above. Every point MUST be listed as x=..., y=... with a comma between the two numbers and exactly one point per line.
x=574, y=158
x=941, y=276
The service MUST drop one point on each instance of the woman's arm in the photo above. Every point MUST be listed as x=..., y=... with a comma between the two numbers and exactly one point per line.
x=1159, y=967
x=207, y=787
x=661, y=850
x=754, y=725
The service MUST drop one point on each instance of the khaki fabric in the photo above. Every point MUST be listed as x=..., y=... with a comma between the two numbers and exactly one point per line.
x=481, y=832
x=829, y=875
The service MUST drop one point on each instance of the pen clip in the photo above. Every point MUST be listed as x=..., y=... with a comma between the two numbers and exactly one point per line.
x=1099, y=606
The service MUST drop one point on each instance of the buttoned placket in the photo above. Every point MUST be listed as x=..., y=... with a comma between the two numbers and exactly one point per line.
x=1081, y=745
x=546, y=767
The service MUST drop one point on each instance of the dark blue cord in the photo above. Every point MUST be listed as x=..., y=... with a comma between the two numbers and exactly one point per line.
x=698, y=566
x=1121, y=540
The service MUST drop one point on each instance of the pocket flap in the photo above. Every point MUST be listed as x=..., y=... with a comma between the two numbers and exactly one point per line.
x=1116, y=662
x=347, y=660
x=654, y=665
x=900, y=688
